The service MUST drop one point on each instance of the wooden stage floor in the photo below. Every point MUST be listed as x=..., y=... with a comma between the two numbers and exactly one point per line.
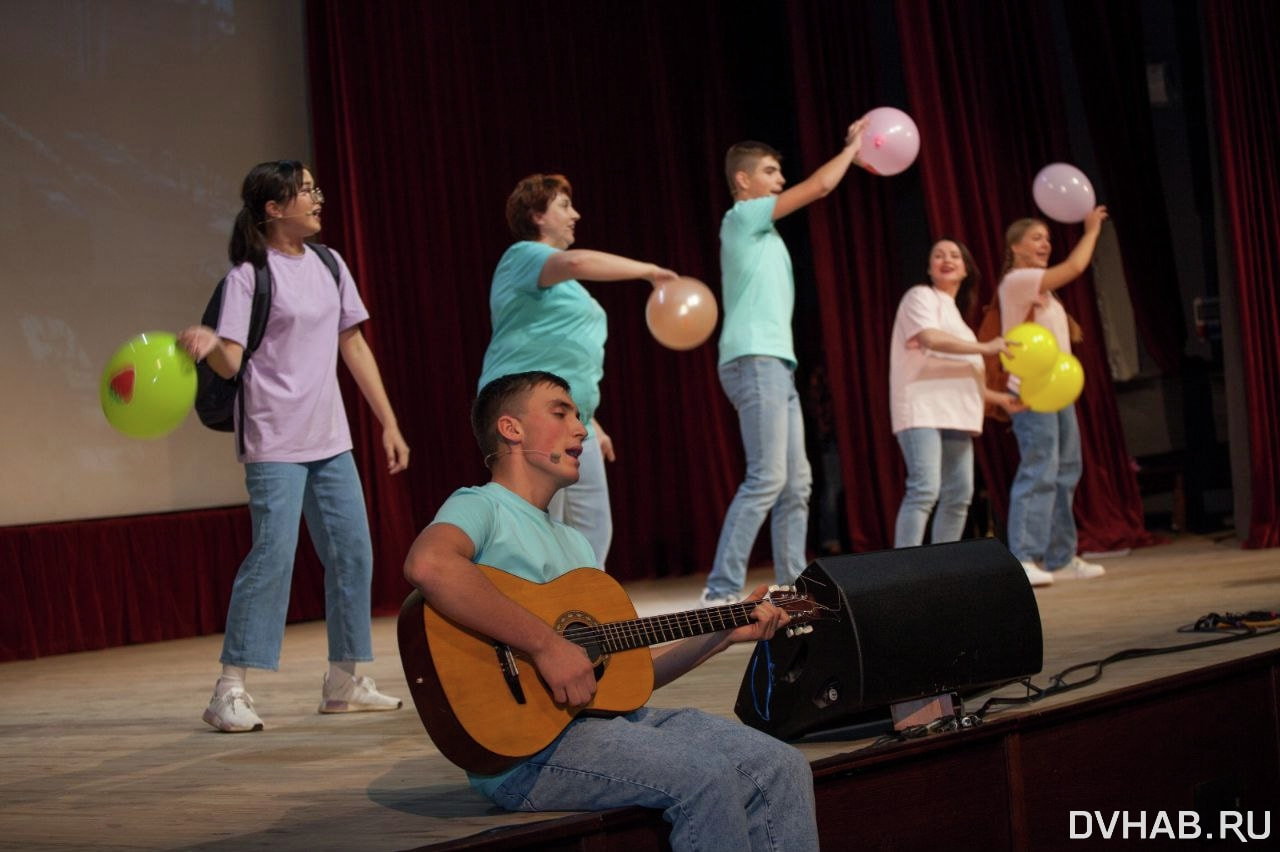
x=106, y=750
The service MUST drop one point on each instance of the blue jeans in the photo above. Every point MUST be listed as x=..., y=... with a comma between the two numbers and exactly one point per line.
x=939, y=471
x=720, y=784
x=328, y=493
x=1041, y=526
x=778, y=479
x=585, y=504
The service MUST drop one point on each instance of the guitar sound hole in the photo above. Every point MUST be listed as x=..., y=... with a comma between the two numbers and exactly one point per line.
x=583, y=630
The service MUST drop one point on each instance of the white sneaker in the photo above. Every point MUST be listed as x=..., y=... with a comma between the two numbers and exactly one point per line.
x=708, y=599
x=356, y=695
x=1080, y=569
x=1036, y=575
x=232, y=712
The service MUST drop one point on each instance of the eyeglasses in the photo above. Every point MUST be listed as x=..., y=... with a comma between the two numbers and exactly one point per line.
x=316, y=194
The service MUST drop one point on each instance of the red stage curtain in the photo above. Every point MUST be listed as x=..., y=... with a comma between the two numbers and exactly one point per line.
x=1246, y=98
x=425, y=116
x=86, y=585
x=1106, y=41
x=854, y=261
x=985, y=94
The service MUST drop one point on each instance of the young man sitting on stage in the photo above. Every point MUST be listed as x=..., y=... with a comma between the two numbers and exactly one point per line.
x=720, y=784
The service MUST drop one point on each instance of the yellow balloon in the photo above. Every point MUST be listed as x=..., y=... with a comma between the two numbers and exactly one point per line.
x=1033, y=350
x=1055, y=389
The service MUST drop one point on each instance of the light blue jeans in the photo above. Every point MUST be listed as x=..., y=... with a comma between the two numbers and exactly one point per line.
x=939, y=472
x=328, y=493
x=721, y=785
x=778, y=479
x=1041, y=526
x=585, y=504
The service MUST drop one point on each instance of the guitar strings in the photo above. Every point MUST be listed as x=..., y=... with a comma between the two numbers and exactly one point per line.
x=665, y=627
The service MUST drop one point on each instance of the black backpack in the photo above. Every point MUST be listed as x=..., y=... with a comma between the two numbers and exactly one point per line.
x=215, y=396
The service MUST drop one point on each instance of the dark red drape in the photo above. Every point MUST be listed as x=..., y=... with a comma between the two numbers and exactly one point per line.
x=1106, y=41
x=425, y=116
x=986, y=96
x=85, y=585
x=854, y=260
x=1246, y=98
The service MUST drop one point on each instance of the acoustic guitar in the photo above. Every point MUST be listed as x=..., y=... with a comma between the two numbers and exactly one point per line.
x=483, y=703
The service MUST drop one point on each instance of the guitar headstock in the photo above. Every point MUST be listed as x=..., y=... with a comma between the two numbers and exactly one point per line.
x=802, y=609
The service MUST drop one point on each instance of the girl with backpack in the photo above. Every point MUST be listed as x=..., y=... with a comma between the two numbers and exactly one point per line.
x=295, y=443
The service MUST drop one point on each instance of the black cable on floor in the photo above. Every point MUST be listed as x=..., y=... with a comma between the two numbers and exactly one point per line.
x=1238, y=626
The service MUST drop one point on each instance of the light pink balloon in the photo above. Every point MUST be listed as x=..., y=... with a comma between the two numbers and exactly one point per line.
x=681, y=314
x=890, y=142
x=1063, y=193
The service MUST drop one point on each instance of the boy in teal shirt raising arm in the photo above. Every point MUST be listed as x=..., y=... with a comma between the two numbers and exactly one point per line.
x=758, y=361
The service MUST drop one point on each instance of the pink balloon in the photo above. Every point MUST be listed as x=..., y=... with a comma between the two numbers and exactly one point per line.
x=1063, y=193
x=681, y=314
x=890, y=142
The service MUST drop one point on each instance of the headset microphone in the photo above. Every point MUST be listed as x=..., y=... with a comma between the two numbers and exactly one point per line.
x=554, y=458
x=290, y=216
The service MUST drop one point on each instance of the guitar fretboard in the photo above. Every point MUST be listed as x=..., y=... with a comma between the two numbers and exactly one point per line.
x=616, y=636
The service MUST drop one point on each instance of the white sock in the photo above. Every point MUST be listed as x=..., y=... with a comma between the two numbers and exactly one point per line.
x=232, y=678
x=341, y=672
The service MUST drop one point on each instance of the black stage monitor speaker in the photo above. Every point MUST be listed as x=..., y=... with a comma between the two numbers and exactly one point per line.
x=899, y=625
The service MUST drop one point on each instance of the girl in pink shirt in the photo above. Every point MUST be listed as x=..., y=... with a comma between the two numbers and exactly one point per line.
x=936, y=396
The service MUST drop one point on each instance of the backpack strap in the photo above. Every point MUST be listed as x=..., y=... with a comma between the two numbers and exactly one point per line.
x=258, y=313
x=326, y=254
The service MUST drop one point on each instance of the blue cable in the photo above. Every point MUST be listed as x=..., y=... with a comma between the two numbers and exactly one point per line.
x=768, y=695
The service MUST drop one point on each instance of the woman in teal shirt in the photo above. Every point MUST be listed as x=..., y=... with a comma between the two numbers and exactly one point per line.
x=543, y=319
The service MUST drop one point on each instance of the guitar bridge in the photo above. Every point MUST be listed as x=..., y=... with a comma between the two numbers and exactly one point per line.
x=510, y=671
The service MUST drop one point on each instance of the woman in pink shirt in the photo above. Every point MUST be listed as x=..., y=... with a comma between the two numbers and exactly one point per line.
x=936, y=396
x=1042, y=529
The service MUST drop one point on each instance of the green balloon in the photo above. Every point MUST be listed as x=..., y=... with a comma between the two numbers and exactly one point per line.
x=149, y=386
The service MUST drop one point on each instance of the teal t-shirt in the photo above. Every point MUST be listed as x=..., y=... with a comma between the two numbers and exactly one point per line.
x=561, y=328
x=758, y=286
x=512, y=534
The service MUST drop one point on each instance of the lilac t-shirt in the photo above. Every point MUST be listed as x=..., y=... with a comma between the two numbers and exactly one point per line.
x=293, y=406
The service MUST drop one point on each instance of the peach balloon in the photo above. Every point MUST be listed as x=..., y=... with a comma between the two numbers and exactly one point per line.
x=681, y=314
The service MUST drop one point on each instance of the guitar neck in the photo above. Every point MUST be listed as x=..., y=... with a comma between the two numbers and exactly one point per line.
x=618, y=636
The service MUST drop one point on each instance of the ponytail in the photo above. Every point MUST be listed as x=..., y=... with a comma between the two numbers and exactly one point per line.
x=277, y=181
x=248, y=245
